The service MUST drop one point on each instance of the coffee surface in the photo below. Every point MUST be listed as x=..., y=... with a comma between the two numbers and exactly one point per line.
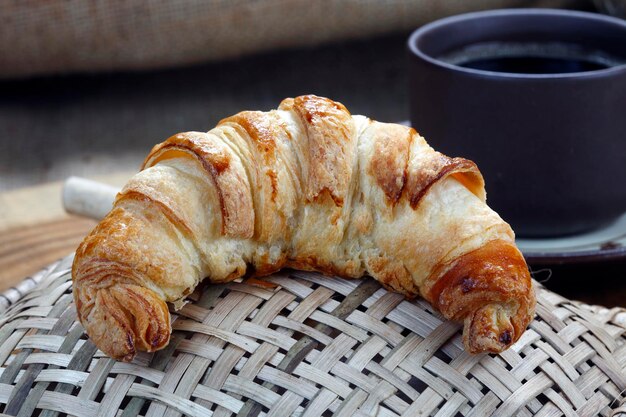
x=531, y=58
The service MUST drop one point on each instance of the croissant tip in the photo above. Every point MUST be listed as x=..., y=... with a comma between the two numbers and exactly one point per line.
x=125, y=358
x=121, y=348
x=123, y=319
x=490, y=329
x=129, y=348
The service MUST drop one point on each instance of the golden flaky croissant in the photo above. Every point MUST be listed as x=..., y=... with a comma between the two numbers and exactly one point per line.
x=306, y=186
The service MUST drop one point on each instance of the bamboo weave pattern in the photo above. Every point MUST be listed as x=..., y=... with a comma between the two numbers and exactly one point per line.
x=302, y=344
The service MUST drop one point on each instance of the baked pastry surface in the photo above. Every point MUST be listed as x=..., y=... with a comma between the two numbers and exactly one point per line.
x=306, y=186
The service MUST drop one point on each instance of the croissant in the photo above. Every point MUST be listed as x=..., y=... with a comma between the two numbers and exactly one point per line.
x=307, y=186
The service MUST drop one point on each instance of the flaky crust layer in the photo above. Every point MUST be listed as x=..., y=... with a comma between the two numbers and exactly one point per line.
x=306, y=186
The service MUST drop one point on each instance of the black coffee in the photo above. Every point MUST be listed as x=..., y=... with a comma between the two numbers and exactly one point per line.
x=531, y=58
x=534, y=65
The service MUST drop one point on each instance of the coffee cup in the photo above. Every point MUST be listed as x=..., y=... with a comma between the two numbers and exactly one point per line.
x=537, y=98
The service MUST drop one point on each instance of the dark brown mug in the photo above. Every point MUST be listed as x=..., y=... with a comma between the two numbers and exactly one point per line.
x=537, y=98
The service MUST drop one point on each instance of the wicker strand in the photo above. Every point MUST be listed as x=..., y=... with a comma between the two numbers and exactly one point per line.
x=299, y=343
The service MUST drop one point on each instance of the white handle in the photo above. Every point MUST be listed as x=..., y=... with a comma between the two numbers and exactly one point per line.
x=88, y=198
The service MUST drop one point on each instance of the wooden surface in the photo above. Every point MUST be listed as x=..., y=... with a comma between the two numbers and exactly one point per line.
x=26, y=249
x=35, y=230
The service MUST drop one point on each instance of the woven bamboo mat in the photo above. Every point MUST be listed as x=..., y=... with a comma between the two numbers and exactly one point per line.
x=306, y=345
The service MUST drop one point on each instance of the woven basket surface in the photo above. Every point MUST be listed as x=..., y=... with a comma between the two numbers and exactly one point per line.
x=303, y=344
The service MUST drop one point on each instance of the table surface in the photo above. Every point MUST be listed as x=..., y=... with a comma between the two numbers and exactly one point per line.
x=96, y=125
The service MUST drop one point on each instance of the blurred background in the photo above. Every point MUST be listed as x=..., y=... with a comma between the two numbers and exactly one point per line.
x=87, y=87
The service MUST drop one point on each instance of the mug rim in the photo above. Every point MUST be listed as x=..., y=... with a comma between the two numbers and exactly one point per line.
x=429, y=27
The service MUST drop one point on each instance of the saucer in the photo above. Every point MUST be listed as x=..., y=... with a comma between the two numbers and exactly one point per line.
x=605, y=244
